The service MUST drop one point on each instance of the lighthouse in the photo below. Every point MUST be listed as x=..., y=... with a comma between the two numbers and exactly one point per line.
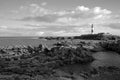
x=92, y=27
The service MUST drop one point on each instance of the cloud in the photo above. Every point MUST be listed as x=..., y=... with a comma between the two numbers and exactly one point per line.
x=72, y=32
x=40, y=14
x=3, y=27
x=45, y=18
x=98, y=10
x=34, y=26
x=39, y=33
x=114, y=25
x=33, y=10
x=44, y=3
x=82, y=8
x=66, y=20
x=43, y=21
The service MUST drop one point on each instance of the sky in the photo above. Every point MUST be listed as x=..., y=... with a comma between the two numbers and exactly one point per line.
x=58, y=17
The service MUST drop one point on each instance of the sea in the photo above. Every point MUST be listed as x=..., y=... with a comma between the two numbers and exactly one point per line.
x=24, y=41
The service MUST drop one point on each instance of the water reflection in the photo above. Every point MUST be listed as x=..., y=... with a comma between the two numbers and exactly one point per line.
x=106, y=59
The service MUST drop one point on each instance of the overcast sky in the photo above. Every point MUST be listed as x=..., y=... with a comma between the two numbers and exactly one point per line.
x=58, y=17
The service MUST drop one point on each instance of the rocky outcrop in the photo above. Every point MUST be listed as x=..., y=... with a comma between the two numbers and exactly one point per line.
x=33, y=62
x=111, y=46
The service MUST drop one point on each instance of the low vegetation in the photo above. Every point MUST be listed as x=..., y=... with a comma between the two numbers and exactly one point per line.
x=99, y=36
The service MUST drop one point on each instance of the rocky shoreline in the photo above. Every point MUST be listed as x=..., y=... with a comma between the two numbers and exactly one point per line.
x=42, y=63
x=34, y=61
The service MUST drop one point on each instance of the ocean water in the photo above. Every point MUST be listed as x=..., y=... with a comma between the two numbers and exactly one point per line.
x=24, y=41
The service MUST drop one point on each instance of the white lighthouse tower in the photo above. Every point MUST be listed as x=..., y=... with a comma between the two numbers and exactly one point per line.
x=92, y=29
